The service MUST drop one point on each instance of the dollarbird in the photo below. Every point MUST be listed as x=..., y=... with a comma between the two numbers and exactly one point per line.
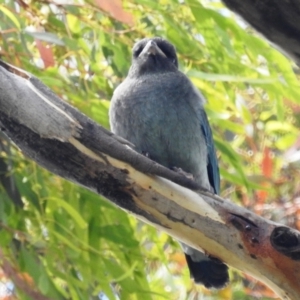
x=160, y=111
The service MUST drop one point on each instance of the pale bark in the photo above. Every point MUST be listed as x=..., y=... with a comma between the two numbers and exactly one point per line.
x=76, y=148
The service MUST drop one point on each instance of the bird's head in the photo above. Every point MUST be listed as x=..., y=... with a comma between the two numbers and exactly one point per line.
x=153, y=55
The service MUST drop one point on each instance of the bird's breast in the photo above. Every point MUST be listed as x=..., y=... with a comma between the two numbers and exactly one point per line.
x=158, y=119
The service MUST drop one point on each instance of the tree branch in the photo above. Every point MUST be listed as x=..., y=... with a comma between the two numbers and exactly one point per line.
x=21, y=280
x=76, y=148
x=278, y=21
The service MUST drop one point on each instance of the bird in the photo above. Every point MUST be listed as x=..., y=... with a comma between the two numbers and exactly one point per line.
x=159, y=110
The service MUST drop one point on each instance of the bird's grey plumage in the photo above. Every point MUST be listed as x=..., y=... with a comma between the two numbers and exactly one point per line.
x=158, y=109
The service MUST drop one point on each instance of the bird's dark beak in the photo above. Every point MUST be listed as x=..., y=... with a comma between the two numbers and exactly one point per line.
x=151, y=48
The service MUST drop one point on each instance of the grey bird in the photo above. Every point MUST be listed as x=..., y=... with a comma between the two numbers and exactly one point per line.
x=159, y=110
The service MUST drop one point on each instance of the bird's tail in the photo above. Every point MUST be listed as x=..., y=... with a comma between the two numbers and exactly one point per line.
x=210, y=272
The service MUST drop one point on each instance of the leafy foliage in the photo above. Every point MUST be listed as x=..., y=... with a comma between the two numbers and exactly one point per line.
x=67, y=243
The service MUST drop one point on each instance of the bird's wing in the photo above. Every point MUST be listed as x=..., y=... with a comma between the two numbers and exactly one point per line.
x=212, y=162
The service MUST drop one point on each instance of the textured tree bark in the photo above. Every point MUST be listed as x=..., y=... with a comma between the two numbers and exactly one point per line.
x=67, y=143
x=277, y=20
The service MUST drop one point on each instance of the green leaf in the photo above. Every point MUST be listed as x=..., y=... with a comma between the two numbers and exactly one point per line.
x=70, y=210
x=233, y=159
x=229, y=78
x=46, y=37
x=10, y=15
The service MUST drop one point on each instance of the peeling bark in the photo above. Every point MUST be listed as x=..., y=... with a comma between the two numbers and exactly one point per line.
x=78, y=149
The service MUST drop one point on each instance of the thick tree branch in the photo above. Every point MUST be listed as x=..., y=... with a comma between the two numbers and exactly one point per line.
x=76, y=148
x=278, y=21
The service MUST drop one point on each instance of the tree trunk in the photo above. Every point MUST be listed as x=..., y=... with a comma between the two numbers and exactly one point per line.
x=277, y=20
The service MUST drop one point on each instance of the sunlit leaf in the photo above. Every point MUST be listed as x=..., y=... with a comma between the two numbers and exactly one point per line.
x=10, y=15
x=46, y=36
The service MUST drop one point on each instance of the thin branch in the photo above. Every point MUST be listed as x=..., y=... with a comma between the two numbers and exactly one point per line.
x=20, y=280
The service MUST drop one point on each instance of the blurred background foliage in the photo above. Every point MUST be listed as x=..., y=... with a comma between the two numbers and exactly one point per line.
x=63, y=242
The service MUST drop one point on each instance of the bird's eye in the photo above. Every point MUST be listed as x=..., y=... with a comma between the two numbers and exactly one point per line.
x=169, y=52
x=170, y=56
x=166, y=52
x=137, y=51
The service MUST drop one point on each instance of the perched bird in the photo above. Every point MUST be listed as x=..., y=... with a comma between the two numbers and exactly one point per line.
x=159, y=110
